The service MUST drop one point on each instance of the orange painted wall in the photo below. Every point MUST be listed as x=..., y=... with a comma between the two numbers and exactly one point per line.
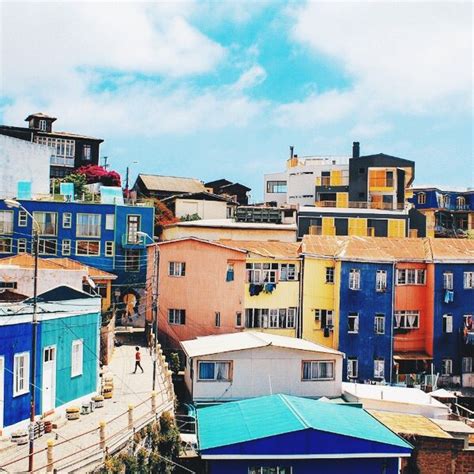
x=416, y=297
x=202, y=292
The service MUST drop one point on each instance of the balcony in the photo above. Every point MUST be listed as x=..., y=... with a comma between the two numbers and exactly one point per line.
x=325, y=204
x=131, y=241
x=385, y=206
x=62, y=161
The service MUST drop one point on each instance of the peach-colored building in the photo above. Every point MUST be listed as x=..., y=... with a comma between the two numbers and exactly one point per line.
x=201, y=289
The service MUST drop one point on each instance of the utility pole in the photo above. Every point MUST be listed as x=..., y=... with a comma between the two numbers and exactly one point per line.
x=105, y=165
x=155, y=308
x=126, y=179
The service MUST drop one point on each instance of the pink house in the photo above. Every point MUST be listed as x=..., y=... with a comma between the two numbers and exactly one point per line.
x=200, y=286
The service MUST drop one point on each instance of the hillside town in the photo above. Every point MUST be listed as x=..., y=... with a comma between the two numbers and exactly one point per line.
x=327, y=326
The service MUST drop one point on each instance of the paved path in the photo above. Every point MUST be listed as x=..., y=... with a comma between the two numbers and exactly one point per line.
x=83, y=452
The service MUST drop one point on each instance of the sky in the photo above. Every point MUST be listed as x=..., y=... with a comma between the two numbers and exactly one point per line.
x=222, y=89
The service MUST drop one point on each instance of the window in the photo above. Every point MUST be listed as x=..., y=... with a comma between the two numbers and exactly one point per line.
x=177, y=316
x=22, y=219
x=66, y=247
x=67, y=220
x=324, y=317
x=408, y=319
x=318, y=370
x=446, y=200
x=88, y=248
x=270, y=470
x=109, y=222
x=379, y=368
x=217, y=318
x=177, y=269
x=22, y=246
x=64, y=150
x=42, y=125
x=287, y=272
x=77, y=358
x=468, y=322
x=276, y=186
x=133, y=226
x=447, y=323
x=47, y=222
x=284, y=318
x=47, y=247
x=132, y=260
x=86, y=152
x=6, y=222
x=460, y=202
x=467, y=365
x=258, y=273
x=8, y=285
x=446, y=367
x=329, y=274
x=21, y=373
x=381, y=280
x=468, y=280
x=214, y=371
x=352, y=367
x=421, y=198
x=353, y=323
x=411, y=276
x=6, y=245
x=109, y=248
x=88, y=225
x=238, y=319
x=379, y=324
x=448, y=280
x=354, y=279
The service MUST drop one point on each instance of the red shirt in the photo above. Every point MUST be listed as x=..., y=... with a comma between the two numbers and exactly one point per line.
x=138, y=356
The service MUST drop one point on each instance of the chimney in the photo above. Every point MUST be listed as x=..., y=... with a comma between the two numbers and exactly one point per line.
x=292, y=148
x=355, y=149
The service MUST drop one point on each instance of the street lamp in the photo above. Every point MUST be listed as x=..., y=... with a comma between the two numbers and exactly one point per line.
x=127, y=173
x=12, y=203
x=154, y=304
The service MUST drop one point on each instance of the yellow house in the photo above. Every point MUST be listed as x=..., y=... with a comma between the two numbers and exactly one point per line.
x=272, y=288
x=320, y=313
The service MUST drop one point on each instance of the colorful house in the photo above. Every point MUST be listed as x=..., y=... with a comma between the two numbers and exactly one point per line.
x=286, y=434
x=67, y=354
x=251, y=364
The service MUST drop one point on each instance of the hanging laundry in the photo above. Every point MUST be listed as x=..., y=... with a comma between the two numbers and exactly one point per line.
x=269, y=287
x=257, y=290
x=449, y=296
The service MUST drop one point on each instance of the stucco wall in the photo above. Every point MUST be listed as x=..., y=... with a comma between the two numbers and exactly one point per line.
x=204, y=209
x=265, y=371
x=23, y=161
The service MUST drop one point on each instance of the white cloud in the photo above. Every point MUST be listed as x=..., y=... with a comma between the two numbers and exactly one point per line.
x=250, y=78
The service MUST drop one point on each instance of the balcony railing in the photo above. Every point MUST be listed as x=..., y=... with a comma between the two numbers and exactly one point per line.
x=326, y=203
x=135, y=241
x=62, y=161
x=386, y=206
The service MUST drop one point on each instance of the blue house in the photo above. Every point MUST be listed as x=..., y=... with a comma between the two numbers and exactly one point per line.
x=67, y=357
x=365, y=320
x=100, y=235
x=285, y=434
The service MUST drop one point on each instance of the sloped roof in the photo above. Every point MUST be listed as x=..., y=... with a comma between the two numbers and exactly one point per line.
x=266, y=248
x=201, y=195
x=93, y=272
x=452, y=249
x=40, y=115
x=408, y=424
x=454, y=426
x=155, y=182
x=11, y=296
x=25, y=260
x=264, y=417
x=198, y=239
x=61, y=293
x=240, y=341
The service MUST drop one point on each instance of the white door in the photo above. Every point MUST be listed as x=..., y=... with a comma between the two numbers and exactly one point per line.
x=2, y=389
x=49, y=379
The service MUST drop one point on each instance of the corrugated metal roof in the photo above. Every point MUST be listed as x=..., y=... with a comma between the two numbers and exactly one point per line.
x=93, y=272
x=25, y=260
x=154, y=182
x=452, y=249
x=266, y=248
x=454, y=426
x=263, y=417
x=239, y=341
x=403, y=423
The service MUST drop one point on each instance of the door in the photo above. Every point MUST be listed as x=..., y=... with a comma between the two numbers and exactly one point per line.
x=49, y=379
x=2, y=389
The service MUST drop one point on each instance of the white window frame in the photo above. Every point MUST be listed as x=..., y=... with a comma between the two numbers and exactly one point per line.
x=401, y=319
x=8, y=245
x=22, y=218
x=355, y=317
x=177, y=269
x=21, y=374
x=264, y=469
x=447, y=323
x=327, y=314
x=411, y=276
x=291, y=274
x=354, y=279
x=109, y=248
x=42, y=125
x=379, y=328
x=467, y=365
x=315, y=370
x=262, y=272
x=89, y=229
x=109, y=221
x=67, y=220
x=77, y=358
x=88, y=244
x=379, y=368
x=447, y=367
x=22, y=246
x=421, y=198
x=87, y=156
x=381, y=280
x=175, y=316
x=42, y=246
x=468, y=280
x=330, y=273
x=352, y=367
x=66, y=247
x=6, y=222
x=41, y=224
x=448, y=280
x=228, y=363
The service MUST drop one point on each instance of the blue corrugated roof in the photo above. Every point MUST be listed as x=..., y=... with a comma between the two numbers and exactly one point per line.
x=262, y=417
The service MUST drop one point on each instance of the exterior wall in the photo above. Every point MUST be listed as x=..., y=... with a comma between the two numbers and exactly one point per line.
x=415, y=297
x=236, y=233
x=23, y=161
x=203, y=290
x=285, y=295
x=317, y=294
x=279, y=198
x=204, y=209
x=61, y=332
x=451, y=345
x=366, y=345
x=264, y=371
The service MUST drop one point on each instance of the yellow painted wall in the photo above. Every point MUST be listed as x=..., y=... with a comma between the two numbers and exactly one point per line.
x=342, y=199
x=358, y=226
x=328, y=226
x=336, y=178
x=377, y=179
x=396, y=228
x=317, y=294
x=285, y=295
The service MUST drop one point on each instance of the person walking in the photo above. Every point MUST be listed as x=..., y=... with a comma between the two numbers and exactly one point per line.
x=138, y=358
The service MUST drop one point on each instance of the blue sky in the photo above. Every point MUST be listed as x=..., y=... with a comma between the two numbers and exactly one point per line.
x=221, y=89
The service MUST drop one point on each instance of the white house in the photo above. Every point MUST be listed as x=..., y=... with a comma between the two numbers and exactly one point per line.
x=252, y=364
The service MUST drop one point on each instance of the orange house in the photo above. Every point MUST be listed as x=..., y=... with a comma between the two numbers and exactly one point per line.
x=200, y=289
